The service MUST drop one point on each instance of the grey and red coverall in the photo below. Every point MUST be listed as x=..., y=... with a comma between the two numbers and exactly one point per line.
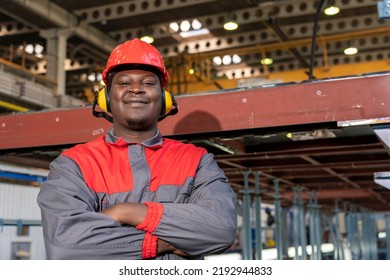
x=190, y=202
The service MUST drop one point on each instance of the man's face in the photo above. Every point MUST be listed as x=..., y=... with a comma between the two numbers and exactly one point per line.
x=135, y=99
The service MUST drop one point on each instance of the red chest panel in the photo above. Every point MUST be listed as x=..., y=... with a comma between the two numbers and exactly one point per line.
x=106, y=167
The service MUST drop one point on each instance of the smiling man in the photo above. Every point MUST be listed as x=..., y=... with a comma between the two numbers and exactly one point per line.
x=132, y=194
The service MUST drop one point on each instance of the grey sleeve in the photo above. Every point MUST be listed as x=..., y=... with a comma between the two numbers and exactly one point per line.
x=207, y=224
x=73, y=229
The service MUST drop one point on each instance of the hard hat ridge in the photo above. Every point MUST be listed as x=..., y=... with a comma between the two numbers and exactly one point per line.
x=135, y=53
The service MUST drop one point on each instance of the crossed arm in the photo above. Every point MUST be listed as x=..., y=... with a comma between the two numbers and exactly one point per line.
x=75, y=229
x=133, y=214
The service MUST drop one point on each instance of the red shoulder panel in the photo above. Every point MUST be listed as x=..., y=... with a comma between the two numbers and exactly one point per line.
x=103, y=169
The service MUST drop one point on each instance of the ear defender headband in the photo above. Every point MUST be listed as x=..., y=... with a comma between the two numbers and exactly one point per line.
x=102, y=99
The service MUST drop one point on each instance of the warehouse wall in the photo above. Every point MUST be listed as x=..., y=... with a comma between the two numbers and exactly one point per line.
x=18, y=204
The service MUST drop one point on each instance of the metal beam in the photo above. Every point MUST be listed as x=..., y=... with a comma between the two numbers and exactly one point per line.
x=333, y=100
x=132, y=8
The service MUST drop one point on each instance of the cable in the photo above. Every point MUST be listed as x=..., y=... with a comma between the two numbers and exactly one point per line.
x=313, y=39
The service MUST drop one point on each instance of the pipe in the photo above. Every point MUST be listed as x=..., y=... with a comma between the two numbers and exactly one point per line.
x=13, y=107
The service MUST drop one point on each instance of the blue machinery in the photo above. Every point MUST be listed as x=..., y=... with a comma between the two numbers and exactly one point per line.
x=19, y=223
x=305, y=226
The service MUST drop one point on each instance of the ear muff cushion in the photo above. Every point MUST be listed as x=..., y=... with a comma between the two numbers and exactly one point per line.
x=103, y=100
x=167, y=102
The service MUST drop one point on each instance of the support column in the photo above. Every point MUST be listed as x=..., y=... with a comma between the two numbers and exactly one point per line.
x=387, y=217
x=338, y=240
x=56, y=42
x=312, y=228
x=302, y=224
x=247, y=236
x=295, y=217
x=317, y=222
x=258, y=230
x=351, y=223
x=278, y=219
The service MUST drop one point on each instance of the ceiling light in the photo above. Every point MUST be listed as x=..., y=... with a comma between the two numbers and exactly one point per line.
x=196, y=24
x=29, y=49
x=217, y=60
x=230, y=25
x=332, y=10
x=185, y=25
x=38, y=48
x=194, y=33
x=236, y=59
x=351, y=50
x=147, y=39
x=226, y=59
x=91, y=77
x=267, y=61
x=99, y=76
x=174, y=26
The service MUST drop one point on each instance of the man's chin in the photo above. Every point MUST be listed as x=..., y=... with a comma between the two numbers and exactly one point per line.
x=137, y=124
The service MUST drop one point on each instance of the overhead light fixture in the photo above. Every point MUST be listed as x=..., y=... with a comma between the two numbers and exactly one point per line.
x=195, y=33
x=147, y=39
x=226, y=59
x=185, y=26
x=217, y=60
x=267, y=61
x=174, y=26
x=196, y=24
x=331, y=9
x=230, y=25
x=351, y=49
x=236, y=59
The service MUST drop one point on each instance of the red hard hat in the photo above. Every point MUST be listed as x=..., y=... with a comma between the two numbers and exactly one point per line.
x=136, y=52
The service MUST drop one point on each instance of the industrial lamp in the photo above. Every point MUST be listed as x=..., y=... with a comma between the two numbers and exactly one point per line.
x=331, y=9
x=147, y=39
x=350, y=49
x=230, y=24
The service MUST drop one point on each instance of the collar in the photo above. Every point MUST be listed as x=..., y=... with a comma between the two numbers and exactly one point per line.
x=155, y=142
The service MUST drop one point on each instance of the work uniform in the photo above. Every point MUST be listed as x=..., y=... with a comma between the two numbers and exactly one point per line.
x=190, y=203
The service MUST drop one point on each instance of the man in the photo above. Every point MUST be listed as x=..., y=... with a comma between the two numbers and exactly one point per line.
x=133, y=194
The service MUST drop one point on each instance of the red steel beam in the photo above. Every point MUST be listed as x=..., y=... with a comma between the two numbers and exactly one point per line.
x=341, y=99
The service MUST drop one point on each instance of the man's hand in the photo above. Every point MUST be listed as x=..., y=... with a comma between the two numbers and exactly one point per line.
x=127, y=213
x=164, y=247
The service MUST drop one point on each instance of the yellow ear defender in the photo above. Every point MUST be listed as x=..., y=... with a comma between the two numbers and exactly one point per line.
x=102, y=99
x=169, y=105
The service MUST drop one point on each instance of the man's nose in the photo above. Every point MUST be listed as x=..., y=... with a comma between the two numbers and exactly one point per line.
x=136, y=88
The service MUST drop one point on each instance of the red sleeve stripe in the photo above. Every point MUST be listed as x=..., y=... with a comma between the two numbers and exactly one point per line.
x=153, y=217
x=149, y=246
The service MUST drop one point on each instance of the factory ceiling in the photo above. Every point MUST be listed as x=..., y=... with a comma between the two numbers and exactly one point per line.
x=280, y=30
